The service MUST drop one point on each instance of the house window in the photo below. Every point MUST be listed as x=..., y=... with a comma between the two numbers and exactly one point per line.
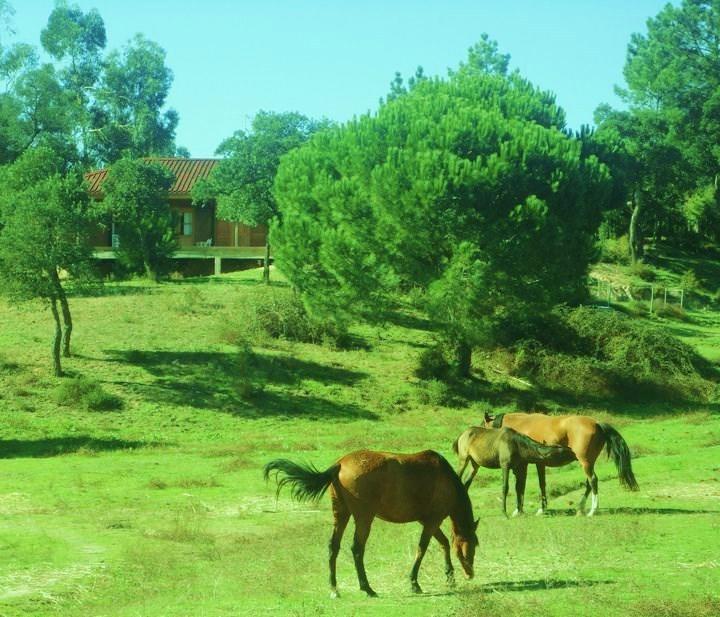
x=186, y=223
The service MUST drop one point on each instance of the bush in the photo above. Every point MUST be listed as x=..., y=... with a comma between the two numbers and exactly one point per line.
x=689, y=281
x=279, y=313
x=615, y=250
x=433, y=364
x=643, y=271
x=437, y=393
x=603, y=352
x=86, y=393
x=670, y=311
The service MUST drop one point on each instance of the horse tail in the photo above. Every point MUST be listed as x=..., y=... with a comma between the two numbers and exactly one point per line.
x=617, y=448
x=455, y=445
x=307, y=482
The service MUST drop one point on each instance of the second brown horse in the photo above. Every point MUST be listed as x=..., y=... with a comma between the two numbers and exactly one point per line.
x=584, y=435
x=398, y=488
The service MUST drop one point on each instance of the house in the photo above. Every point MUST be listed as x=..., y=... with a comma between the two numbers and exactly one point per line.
x=205, y=243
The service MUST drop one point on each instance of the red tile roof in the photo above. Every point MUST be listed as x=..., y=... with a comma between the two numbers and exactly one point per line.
x=187, y=173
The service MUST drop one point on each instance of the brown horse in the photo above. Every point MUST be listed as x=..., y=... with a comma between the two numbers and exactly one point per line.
x=506, y=449
x=398, y=488
x=584, y=436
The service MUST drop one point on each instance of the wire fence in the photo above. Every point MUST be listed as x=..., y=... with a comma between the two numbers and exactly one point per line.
x=654, y=296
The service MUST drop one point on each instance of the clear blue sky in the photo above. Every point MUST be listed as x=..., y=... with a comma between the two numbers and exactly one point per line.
x=335, y=59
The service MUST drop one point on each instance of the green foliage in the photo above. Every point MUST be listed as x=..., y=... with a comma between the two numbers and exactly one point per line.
x=432, y=363
x=242, y=183
x=643, y=271
x=129, y=116
x=689, y=281
x=615, y=250
x=136, y=199
x=702, y=212
x=466, y=187
x=86, y=393
x=436, y=392
x=605, y=354
x=278, y=313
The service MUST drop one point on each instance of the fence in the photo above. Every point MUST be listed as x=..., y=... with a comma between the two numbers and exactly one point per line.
x=654, y=295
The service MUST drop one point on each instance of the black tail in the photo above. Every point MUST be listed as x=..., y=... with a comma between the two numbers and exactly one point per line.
x=618, y=449
x=535, y=452
x=308, y=484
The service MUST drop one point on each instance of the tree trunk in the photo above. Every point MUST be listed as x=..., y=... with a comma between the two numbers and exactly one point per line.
x=57, y=368
x=463, y=356
x=266, y=264
x=67, y=317
x=634, y=236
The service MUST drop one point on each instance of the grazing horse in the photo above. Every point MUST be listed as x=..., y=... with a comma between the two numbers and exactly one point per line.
x=506, y=449
x=398, y=488
x=584, y=436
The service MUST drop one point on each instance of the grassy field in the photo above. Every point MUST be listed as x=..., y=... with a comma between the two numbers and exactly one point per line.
x=159, y=507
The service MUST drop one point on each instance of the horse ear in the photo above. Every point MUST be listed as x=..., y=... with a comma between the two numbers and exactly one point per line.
x=488, y=417
x=476, y=524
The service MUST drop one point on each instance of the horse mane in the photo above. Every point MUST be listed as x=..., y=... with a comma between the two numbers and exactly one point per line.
x=465, y=505
x=498, y=420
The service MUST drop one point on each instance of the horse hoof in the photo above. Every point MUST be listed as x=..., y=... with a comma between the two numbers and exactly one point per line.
x=517, y=513
x=540, y=512
x=334, y=594
x=591, y=513
x=416, y=588
x=370, y=593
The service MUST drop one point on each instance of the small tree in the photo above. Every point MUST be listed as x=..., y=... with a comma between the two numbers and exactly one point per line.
x=243, y=181
x=136, y=196
x=44, y=236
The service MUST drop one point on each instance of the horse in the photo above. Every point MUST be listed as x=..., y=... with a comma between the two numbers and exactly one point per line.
x=584, y=436
x=398, y=488
x=506, y=449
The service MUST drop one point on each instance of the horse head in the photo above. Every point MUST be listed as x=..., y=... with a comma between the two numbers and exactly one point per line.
x=465, y=544
x=489, y=419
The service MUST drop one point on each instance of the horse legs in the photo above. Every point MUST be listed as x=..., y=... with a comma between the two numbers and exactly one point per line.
x=341, y=516
x=520, y=477
x=427, y=533
x=464, y=465
x=442, y=539
x=475, y=468
x=591, y=484
x=543, y=494
x=505, y=481
x=362, y=531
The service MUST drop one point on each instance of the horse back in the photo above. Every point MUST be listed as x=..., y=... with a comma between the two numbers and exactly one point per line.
x=397, y=487
x=580, y=433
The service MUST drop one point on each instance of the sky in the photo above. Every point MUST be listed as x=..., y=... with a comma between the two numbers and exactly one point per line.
x=336, y=59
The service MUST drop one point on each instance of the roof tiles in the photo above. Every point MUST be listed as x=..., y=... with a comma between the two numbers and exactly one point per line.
x=187, y=173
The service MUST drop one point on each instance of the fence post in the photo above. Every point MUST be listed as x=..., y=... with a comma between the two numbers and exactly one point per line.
x=665, y=298
x=652, y=297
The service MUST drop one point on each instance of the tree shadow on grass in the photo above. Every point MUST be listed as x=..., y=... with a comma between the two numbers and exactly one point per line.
x=57, y=446
x=540, y=584
x=239, y=384
x=639, y=511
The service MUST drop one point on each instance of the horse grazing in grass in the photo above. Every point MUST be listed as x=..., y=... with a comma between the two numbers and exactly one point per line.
x=506, y=449
x=584, y=436
x=398, y=488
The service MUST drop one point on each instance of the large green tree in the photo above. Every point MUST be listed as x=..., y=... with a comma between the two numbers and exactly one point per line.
x=130, y=118
x=467, y=187
x=136, y=198
x=242, y=184
x=671, y=130
x=44, y=226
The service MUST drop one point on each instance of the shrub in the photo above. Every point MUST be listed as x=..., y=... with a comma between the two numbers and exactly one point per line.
x=437, y=393
x=643, y=271
x=689, y=281
x=279, y=313
x=433, y=364
x=670, y=311
x=86, y=393
x=615, y=250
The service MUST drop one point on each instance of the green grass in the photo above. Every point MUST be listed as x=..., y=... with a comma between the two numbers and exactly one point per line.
x=159, y=507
